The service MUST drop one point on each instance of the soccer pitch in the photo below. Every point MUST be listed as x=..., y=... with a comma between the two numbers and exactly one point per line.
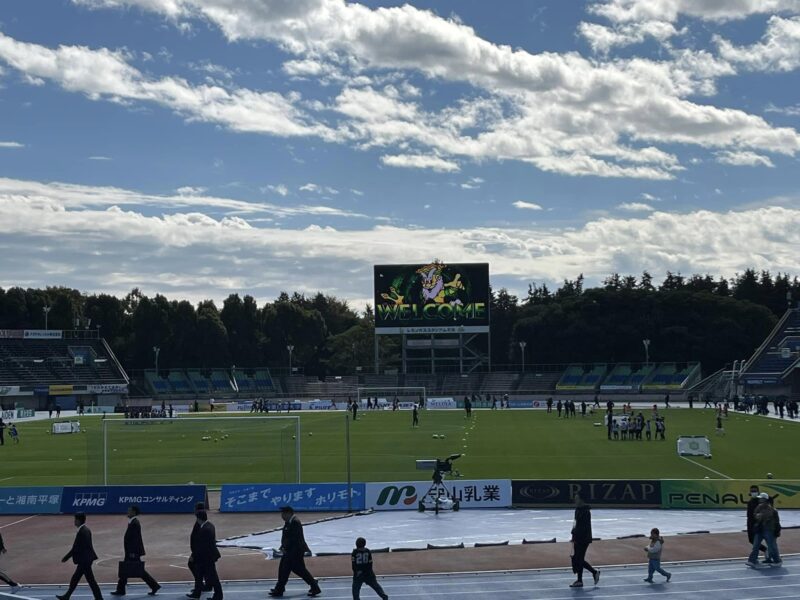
x=521, y=444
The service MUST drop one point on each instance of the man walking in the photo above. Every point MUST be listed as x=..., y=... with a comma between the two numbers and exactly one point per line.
x=193, y=541
x=134, y=551
x=581, y=538
x=83, y=555
x=205, y=556
x=3, y=576
x=294, y=547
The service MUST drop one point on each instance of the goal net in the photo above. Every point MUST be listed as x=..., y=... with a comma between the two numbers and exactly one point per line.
x=210, y=450
x=694, y=445
x=387, y=395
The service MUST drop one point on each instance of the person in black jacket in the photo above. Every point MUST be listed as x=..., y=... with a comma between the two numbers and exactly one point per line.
x=83, y=555
x=752, y=504
x=581, y=538
x=134, y=551
x=294, y=547
x=361, y=559
x=206, y=587
x=3, y=576
x=205, y=556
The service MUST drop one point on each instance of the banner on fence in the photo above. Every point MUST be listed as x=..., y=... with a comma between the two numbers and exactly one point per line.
x=440, y=403
x=726, y=493
x=115, y=499
x=30, y=500
x=613, y=493
x=406, y=495
x=269, y=497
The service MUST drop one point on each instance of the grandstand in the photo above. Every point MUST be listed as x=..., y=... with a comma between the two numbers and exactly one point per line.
x=58, y=362
x=775, y=365
x=672, y=376
x=584, y=378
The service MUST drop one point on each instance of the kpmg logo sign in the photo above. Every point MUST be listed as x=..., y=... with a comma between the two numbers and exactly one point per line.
x=608, y=493
x=87, y=499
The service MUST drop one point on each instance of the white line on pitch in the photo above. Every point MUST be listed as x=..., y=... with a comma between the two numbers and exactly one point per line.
x=7, y=478
x=15, y=522
x=705, y=467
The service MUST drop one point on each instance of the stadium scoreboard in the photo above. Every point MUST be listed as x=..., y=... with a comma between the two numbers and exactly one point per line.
x=432, y=298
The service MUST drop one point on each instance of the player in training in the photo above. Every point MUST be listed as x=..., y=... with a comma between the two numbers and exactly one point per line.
x=415, y=416
x=361, y=559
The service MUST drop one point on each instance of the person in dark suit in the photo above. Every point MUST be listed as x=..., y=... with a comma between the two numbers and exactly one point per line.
x=83, y=555
x=134, y=551
x=205, y=556
x=581, y=538
x=294, y=547
x=206, y=587
x=3, y=577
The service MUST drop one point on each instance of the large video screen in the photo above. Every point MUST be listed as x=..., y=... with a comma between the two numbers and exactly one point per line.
x=432, y=298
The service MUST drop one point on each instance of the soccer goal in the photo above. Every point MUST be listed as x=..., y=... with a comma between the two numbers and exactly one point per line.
x=387, y=395
x=205, y=450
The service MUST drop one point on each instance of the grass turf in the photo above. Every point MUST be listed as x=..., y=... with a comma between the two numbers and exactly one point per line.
x=521, y=444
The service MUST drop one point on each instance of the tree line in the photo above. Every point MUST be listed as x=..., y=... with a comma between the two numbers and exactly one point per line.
x=694, y=318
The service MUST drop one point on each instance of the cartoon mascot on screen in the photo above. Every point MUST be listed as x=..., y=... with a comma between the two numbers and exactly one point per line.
x=434, y=288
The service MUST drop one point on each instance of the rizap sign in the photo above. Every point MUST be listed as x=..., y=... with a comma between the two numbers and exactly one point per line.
x=726, y=493
x=406, y=495
x=615, y=493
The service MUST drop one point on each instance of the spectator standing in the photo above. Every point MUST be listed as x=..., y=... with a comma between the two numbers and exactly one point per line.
x=581, y=539
x=194, y=539
x=83, y=555
x=293, y=547
x=361, y=559
x=654, y=556
x=766, y=527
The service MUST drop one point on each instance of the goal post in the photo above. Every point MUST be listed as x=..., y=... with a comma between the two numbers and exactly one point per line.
x=207, y=450
x=388, y=394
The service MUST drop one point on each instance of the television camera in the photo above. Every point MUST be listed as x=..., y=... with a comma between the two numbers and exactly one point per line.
x=438, y=497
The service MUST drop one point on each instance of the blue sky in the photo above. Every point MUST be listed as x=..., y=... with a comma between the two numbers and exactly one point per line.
x=201, y=147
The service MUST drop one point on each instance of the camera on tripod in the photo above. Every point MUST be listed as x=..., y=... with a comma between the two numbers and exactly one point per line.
x=438, y=494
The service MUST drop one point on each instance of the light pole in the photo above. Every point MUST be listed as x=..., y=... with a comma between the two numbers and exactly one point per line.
x=46, y=310
x=156, y=352
x=522, y=347
x=290, y=348
x=646, y=344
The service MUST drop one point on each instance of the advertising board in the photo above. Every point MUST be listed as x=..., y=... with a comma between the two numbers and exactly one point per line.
x=613, y=493
x=726, y=493
x=269, y=497
x=405, y=495
x=107, y=388
x=115, y=499
x=440, y=403
x=432, y=298
x=30, y=500
x=42, y=334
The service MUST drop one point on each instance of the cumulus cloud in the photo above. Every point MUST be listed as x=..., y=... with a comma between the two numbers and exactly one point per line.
x=635, y=207
x=778, y=50
x=743, y=159
x=561, y=113
x=521, y=204
x=419, y=161
x=51, y=228
x=602, y=39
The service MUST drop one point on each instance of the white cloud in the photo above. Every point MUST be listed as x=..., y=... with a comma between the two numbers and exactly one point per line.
x=189, y=190
x=356, y=192
x=635, y=207
x=559, y=112
x=521, y=204
x=105, y=74
x=99, y=157
x=791, y=111
x=778, y=50
x=310, y=187
x=627, y=11
x=419, y=161
x=11, y=145
x=473, y=183
x=279, y=189
x=743, y=159
x=51, y=228
x=602, y=39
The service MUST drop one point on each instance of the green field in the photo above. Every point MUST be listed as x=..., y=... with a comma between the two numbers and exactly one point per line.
x=496, y=444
